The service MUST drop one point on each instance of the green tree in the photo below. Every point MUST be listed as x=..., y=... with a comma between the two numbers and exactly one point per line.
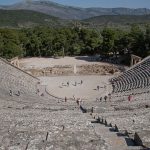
x=108, y=41
x=147, y=40
x=1, y=45
x=11, y=44
x=137, y=41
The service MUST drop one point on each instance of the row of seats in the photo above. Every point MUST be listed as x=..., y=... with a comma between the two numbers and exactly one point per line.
x=137, y=77
x=12, y=78
x=132, y=114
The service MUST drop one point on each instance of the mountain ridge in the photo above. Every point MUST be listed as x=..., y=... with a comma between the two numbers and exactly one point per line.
x=28, y=18
x=73, y=13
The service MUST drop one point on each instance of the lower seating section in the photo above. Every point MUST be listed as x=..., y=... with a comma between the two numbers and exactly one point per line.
x=32, y=121
x=14, y=79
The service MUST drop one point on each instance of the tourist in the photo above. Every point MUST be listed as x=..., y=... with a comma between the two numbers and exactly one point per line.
x=42, y=94
x=38, y=91
x=68, y=83
x=98, y=87
x=100, y=99
x=75, y=83
x=129, y=98
x=18, y=94
x=105, y=98
x=92, y=110
x=10, y=92
x=65, y=99
x=109, y=97
x=74, y=97
x=81, y=82
x=77, y=102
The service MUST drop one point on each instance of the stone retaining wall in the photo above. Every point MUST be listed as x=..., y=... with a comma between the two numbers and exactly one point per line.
x=93, y=69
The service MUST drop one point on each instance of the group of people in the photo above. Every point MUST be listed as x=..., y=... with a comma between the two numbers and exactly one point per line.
x=98, y=87
x=109, y=98
x=78, y=100
x=39, y=92
x=106, y=97
x=11, y=93
x=75, y=83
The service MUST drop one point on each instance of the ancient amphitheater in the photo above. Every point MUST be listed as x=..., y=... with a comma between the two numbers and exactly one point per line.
x=61, y=106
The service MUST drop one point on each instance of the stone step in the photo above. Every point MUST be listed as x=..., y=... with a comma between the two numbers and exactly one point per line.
x=113, y=141
x=135, y=148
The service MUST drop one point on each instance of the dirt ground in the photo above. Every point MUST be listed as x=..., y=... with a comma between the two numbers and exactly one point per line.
x=92, y=88
x=84, y=87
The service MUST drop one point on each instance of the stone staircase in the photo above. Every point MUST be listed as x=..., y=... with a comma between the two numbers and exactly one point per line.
x=114, y=139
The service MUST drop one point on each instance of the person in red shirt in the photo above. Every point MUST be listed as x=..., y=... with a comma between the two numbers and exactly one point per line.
x=129, y=98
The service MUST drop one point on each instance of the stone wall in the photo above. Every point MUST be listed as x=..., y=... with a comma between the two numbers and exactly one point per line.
x=93, y=69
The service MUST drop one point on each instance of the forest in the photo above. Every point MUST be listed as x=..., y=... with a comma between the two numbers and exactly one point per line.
x=43, y=41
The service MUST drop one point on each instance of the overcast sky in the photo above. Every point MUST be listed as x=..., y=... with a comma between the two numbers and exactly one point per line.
x=95, y=3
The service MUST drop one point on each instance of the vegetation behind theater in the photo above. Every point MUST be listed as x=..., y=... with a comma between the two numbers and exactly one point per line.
x=24, y=36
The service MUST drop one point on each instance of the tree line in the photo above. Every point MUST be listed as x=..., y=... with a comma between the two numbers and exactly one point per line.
x=46, y=42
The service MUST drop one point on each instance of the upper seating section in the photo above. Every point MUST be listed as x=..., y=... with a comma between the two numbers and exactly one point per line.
x=137, y=77
x=12, y=78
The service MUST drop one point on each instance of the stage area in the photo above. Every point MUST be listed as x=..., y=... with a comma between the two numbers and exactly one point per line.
x=84, y=87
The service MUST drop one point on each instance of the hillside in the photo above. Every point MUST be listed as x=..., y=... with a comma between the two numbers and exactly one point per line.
x=68, y=12
x=27, y=18
x=119, y=20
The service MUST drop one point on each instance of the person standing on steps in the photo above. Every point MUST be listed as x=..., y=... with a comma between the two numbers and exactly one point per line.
x=10, y=92
x=129, y=98
x=75, y=83
x=109, y=95
x=74, y=97
x=18, y=94
x=77, y=102
x=65, y=99
x=100, y=99
x=105, y=98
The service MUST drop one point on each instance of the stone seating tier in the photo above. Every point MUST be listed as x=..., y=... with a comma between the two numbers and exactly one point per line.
x=136, y=77
x=14, y=79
